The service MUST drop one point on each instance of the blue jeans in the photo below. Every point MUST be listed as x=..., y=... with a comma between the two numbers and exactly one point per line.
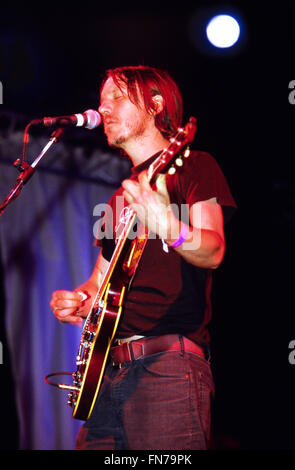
x=158, y=402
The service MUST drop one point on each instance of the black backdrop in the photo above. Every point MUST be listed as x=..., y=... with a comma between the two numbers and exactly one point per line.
x=51, y=61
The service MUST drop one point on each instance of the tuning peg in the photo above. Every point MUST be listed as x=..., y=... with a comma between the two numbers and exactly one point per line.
x=171, y=170
x=186, y=152
x=179, y=161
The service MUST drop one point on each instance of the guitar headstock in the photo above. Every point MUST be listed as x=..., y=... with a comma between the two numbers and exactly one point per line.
x=173, y=155
x=178, y=162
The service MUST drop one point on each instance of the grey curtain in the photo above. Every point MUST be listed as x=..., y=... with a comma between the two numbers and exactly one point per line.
x=47, y=244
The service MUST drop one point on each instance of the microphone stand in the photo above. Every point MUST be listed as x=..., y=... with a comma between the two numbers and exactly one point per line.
x=28, y=170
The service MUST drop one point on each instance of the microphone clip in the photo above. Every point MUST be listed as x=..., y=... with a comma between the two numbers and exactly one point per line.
x=20, y=165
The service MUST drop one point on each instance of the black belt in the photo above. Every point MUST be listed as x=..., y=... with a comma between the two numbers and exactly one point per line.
x=131, y=350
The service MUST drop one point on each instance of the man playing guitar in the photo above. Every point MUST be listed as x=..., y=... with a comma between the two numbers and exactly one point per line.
x=157, y=385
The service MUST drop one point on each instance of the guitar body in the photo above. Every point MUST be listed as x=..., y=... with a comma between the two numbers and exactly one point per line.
x=93, y=373
x=99, y=333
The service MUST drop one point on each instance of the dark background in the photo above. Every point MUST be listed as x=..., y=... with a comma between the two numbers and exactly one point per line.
x=51, y=62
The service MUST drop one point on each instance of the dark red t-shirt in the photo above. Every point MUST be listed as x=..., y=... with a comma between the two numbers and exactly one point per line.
x=168, y=294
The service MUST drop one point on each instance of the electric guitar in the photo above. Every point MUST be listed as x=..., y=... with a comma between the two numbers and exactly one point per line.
x=102, y=321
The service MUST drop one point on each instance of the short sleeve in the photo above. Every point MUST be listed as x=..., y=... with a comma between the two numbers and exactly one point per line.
x=104, y=235
x=203, y=179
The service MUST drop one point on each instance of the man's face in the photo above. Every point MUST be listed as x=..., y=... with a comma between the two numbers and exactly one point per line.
x=123, y=121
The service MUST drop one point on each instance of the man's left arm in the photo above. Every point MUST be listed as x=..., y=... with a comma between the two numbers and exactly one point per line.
x=203, y=243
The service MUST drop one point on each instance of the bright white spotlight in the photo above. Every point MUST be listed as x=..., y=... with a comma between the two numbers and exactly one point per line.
x=223, y=31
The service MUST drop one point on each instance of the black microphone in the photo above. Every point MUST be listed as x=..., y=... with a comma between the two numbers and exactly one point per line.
x=89, y=119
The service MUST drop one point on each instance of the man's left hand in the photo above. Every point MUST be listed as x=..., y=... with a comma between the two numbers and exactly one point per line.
x=152, y=206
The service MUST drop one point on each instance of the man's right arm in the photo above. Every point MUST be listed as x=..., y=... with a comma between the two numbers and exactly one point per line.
x=72, y=306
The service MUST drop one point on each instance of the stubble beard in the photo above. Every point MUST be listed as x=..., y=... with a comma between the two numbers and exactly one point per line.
x=134, y=134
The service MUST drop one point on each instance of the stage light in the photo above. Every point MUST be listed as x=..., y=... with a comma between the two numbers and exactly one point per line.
x=223, y=31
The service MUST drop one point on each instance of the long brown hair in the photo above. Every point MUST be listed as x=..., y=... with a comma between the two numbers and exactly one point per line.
x=151, y=81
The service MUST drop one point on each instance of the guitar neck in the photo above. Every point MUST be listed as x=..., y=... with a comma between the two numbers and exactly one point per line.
x=116, y=255
x=183, y=137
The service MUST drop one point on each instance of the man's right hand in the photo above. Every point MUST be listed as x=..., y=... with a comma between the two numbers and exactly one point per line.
x=72, y=306
x=69, y=306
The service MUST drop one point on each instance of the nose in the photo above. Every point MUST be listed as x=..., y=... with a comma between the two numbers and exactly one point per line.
x=104, y=108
